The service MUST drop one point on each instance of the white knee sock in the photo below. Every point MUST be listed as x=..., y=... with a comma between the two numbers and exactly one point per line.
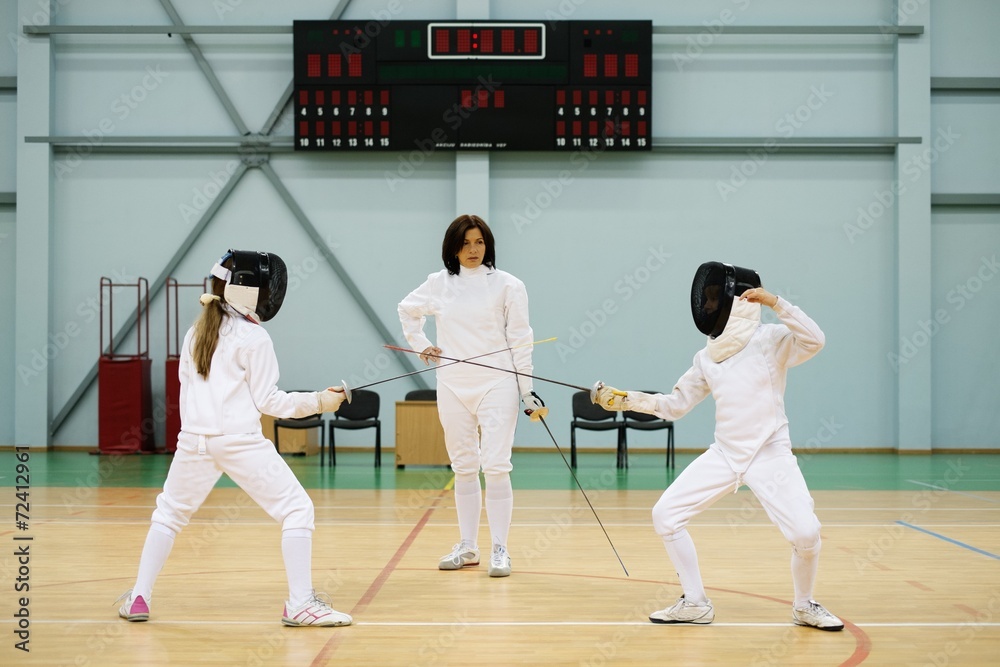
x=296, y=550
x=159, y=542
x=683, y=555
x=805, y=564
x=469, y=506
x=499, y=506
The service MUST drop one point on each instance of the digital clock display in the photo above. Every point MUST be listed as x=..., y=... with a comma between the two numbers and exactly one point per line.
x=452, y=85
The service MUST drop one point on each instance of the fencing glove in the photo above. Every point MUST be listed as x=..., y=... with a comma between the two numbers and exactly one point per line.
x=330, y=399
x=609, y=398
x=534, y=407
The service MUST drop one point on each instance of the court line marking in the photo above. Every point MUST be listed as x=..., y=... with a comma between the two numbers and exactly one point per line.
x=948, y=539
x=943, y=488
x=610, y=508
x=436, y=624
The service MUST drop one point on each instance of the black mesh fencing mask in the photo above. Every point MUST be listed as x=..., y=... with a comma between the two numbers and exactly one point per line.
x=257, y=283
x=712, y=292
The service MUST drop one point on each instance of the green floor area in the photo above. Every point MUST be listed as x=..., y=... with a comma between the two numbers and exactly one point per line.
x=532, y=470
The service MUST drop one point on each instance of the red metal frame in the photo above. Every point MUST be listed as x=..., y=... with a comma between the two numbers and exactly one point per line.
x=142, y=317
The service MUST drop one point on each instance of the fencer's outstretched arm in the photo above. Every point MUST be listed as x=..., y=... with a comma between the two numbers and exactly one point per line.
x=690, y=390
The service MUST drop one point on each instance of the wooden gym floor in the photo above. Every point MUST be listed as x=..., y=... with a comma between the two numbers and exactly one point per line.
x=911, y=562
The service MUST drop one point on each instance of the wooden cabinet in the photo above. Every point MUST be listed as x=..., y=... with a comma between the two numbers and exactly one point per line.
x=293, y=440
x=419, y=436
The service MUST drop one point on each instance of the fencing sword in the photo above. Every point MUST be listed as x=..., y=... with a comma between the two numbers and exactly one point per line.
x=350, y=390
x=495, y=368
x=575, y=479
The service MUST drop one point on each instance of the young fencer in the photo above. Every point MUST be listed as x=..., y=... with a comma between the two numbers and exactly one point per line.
x=743, y=367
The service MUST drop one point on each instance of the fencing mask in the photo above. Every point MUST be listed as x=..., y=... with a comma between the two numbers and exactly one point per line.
x=712, y=292
x=255, y=286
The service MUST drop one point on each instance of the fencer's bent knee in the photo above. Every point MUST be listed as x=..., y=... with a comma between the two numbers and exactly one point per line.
x=807, y=546
x=667, y=521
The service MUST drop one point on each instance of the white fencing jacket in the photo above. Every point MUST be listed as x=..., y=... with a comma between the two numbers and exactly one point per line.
x=748, y=387
x=478, y=311
x=242, y=383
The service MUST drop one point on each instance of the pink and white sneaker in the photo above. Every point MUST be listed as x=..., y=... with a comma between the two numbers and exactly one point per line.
x=314, y=611
x=135, y=609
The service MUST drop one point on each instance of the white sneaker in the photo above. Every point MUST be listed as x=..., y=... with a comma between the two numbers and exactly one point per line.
x=135, y=609
x=314, y=611
x=499, y=562
x=685, y=612
x=462, y=554
x=815, y=615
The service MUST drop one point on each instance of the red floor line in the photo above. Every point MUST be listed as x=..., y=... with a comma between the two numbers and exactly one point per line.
x=323, y=657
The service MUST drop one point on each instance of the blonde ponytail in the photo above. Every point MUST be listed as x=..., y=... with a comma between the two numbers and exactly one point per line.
x=206, y=329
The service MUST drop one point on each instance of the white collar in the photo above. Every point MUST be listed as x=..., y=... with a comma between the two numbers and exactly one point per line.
x=744, y=318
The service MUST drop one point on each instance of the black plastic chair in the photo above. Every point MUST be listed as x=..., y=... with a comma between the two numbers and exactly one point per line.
x=361, y=412
x=299, y=424
x=421, y=395
x=592, y=417
x=640, y=421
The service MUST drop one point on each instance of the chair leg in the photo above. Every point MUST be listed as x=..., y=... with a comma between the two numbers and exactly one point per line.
x=322, y=444
x=378, y=446
x=276, y=447
x=572, y=446
x=670, y=447
x=333, y=446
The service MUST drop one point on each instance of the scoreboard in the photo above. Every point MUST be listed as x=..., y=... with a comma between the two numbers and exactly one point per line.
x=453, y=85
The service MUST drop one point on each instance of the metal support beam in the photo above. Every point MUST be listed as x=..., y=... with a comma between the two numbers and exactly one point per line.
x=990, y=84
x=206, y=69
x=970, y=199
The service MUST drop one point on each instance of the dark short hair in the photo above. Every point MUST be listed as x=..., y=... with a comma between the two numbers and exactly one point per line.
x=454, y=238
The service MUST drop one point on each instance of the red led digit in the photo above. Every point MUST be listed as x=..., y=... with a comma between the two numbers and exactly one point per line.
x=560, y=128
x=463, y=45
x=577, y=97
x=352, y=129
x=592, y=98
x=483, y=99
x=592, y=128
x=531, y=41
x=641, y=98
x=486, y=44
x=590, y=65
x=369, y=98
x=352, y=97
x=335, y=128
x=499, y=99
x=383, y=98
x=641, y=130
x=626, y=97
x=312, y=65
x=507, y=41
x=304, y=98
x=369, y=128
x=609, y=128
x=631, y=64
x=560, y=97
x=610, y=65
x=320, y=97
x=303, y=128
x=384, y=128
x=333, y=62
x=609, y=97
x=354, y=64
x=440, y=41
x=335, y=97
x=466, y=99
x=320, y=128
x=577, y=128
x=626, y=128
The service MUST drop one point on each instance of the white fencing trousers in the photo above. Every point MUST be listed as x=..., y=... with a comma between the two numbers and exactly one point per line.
x=773, y=476
x=494, y=413
x=251, y=461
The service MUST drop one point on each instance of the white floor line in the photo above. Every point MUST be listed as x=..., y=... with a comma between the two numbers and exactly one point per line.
x=942, y=488
x=435, y=624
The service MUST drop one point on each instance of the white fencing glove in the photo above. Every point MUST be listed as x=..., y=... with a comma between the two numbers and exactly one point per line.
x=330, y=399
x=534, y=407
x=609, y=398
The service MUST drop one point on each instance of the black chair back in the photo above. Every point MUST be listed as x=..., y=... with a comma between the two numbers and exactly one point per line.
x=583, y=408
x=422, y=395
x=364, y=405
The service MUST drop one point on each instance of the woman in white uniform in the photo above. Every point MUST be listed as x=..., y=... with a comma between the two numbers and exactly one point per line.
x=478, y=309
x=744, y=369
x=228, y=377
